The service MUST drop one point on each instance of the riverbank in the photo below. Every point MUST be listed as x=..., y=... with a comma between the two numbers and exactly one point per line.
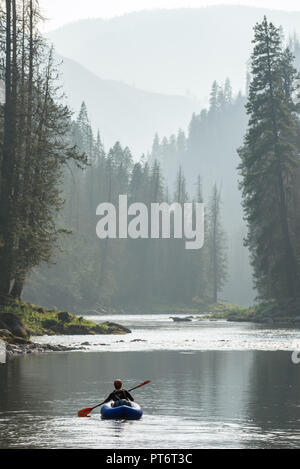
x=19, y=321
x=197, y=306
x=286, y=312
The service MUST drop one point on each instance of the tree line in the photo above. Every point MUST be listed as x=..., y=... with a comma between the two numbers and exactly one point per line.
x=268, y=169
x=54, y=173
x=208, y=147
x=210, y=141
x=126, y=272
x=35, y=145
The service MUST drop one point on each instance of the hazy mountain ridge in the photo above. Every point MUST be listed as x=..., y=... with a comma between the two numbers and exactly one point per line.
x=170, y=51
x=122, y=112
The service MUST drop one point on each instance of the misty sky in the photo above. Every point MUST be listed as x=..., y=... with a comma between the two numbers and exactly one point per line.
x=60, y=12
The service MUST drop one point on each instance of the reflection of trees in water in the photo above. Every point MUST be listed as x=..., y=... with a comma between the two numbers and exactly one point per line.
x=247, y=389
x=275, y=384
x=216, y=384
x=210, y=385
x=11, y=393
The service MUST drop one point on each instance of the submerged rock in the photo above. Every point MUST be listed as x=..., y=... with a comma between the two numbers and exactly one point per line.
x=114, y=328
x=178, y=319
x=138, y=340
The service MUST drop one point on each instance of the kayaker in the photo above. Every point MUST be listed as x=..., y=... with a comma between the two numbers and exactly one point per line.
x=119, y=396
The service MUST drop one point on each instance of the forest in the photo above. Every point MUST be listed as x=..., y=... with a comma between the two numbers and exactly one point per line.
x=55, y=171
x=126, y=272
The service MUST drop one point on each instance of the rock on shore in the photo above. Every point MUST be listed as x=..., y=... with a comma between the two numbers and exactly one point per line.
x=13, y=325
x=31, y=348
x=18, y=321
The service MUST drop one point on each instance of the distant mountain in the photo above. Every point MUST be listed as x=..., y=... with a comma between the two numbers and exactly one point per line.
x=122, y=112
x=170, y=51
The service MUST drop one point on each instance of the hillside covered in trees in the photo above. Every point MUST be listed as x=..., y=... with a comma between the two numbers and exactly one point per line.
x=55, y=171
x=122, y=111
x=142, y=272
x=209, y=149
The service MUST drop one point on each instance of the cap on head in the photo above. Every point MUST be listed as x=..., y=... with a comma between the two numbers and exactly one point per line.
x=118, y=384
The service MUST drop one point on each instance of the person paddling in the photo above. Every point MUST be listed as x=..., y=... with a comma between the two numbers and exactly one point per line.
x=119, y=396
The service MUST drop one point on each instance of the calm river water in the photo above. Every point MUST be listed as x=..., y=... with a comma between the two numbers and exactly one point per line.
x=214, y=385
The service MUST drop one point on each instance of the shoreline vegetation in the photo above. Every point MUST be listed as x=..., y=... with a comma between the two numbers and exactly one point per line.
x=285, y=313
x=19, y=321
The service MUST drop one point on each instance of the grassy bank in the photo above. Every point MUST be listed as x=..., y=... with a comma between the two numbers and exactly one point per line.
x=196, y=307
x=24, y=320
x=286, y=313
x=222, y=309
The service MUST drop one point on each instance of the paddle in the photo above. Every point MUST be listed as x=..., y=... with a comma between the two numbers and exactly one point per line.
x=88, y=410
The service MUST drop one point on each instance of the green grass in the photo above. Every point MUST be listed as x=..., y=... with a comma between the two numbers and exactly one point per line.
x=220, y=309
x=44, y=322
x=197, y=306
x=261, y=313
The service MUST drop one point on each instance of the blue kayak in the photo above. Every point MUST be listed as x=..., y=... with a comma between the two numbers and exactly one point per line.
x=122, y=412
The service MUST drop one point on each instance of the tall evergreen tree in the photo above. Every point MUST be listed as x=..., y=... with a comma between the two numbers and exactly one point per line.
x=217, y=245
x=213, y=100
x=34, y=145
x=269, y=158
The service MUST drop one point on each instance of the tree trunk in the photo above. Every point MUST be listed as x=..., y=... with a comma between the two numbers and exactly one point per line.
x=7, y=166
x=18, y=286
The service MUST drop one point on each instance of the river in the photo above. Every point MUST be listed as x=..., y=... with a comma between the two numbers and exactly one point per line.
x=214, y=385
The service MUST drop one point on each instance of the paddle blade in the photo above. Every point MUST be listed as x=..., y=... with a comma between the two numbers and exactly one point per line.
x=144, y=383
x=84, y=412
x=140, y=385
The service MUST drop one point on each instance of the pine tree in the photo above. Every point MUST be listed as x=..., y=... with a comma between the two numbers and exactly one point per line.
x=268, y=160
x=228, y=92
x=155, y=154
x=217, y=245
x=213, y=100
x=35, y=148
x=181, y=195
x=181, y=145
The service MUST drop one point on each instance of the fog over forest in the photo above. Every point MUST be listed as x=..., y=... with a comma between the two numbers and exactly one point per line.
x=158, y=100
x=140, y=90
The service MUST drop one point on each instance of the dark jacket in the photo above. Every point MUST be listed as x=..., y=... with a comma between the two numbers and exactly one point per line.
x=117, y=395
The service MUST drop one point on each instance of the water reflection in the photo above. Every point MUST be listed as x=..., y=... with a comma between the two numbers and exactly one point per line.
x=205, y=399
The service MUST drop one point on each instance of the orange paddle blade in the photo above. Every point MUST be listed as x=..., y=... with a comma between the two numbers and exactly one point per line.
x=142, y=384
x=84, y=412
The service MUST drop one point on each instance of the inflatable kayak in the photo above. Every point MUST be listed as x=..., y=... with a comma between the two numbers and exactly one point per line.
x=122, y=412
